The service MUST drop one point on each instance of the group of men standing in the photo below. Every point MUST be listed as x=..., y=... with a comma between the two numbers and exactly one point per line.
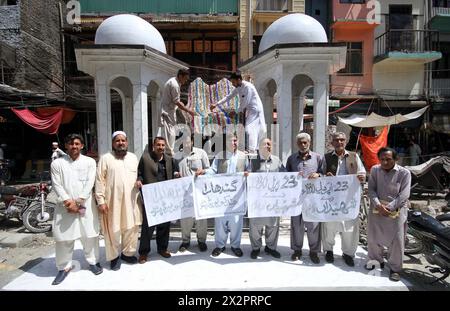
x=120, y=175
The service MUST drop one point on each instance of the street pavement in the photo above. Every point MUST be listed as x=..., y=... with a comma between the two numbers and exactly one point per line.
x=195, y=270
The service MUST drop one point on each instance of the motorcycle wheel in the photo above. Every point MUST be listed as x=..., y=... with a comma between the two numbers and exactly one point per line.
x=30, y=221
x=413, y=243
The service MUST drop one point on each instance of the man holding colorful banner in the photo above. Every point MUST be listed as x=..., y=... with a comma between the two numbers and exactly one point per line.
x=255, y=124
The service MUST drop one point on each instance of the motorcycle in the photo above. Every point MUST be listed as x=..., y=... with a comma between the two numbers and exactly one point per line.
x=433, y=240
x=29, y=204
x=5, y=171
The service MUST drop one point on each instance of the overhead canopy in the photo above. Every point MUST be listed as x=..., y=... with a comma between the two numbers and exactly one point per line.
x=375, y=120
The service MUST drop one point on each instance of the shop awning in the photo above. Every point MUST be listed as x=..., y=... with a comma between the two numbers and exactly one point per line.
x=375, y=120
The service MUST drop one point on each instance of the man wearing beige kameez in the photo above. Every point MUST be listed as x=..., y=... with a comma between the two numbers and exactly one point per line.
x=117, y=200
x=389, y=189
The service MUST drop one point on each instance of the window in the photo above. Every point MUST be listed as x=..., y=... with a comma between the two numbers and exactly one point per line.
x=441, y=3
x=354, y=64
x=272, y=5
x=8, y=2
x=352, y=1
x=441, y=67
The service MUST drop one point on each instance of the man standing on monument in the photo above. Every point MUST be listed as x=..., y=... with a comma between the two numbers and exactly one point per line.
x=255, y=124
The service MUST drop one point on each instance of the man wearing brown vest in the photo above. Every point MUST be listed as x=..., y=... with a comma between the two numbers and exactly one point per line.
x=233, y=162
x=155, y=166
x=342, y=162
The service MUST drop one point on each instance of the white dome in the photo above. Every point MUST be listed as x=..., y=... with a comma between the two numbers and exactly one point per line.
x=293, y=28
x=129, y=29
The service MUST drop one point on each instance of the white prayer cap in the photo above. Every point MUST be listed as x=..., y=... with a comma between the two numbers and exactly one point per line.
x=118, y=133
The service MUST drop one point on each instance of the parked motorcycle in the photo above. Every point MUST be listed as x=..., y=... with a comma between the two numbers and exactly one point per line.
x=5, y=171
x=434, y=240
x=30, y=205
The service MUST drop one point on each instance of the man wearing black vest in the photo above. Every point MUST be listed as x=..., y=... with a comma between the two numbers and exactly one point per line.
x=155, y=166
x=342, y=162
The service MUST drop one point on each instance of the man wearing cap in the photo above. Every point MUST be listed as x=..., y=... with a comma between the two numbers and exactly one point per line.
x=255, y=124
x=117, y=199
x=56, y=152
x=170, y=101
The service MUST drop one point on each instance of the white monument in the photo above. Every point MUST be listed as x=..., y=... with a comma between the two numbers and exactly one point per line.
x=294, y=55
x=130, y=57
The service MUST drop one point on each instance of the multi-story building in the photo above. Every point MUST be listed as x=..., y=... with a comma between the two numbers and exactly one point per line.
x=256, y=15
x=203, y=34
x=31, y=74
x=403, y=48
x=438, y=18
x=350, y=24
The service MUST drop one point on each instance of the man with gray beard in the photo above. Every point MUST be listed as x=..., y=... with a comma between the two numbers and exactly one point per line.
x=117, y=199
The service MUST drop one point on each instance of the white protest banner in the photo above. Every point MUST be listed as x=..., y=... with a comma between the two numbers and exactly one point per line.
x=274, y=194
x=168, y=200
x=328, y=199
x=219, y=195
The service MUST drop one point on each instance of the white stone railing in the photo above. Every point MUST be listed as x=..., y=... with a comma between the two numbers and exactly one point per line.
x=441, y=87
x=438, y=10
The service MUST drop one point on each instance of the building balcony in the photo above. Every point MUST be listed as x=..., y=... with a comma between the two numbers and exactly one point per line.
x=440, y=19
x=407, y=46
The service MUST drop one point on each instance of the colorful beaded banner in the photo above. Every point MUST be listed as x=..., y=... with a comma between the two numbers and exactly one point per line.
x=202, y=95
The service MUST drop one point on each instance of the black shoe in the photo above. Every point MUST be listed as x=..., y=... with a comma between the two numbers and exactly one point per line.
x=329, y=257
x=202, y=246
x=272, y=252
x=60, y=276
x=314, y=257
x=348, y=260
x=394, y=276
x=237, y=251
x=96, y=269
x=115, y=264
x=217, y=251
x=165, y=253
x=296, y=255
x=373, y=266
x=183, y=247
x=129, y=259
x=254, y=254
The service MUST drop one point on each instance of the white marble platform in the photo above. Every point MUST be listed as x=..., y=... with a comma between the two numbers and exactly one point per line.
x=194, y=270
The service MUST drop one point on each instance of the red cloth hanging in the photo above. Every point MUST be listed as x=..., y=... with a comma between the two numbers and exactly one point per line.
x=371, y=145
x=47, y=123
x=68, y=114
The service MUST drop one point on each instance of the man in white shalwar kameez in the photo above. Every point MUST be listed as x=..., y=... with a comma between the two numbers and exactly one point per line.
x=76, y=216
x=118, y=201
x=342, y=162
x=249, y=100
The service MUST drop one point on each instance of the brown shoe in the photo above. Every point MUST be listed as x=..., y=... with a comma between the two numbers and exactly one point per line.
x=142, y=259
x=165, y=254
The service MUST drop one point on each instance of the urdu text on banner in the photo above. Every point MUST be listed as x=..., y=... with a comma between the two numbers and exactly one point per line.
x=329, y=199
x=274, y=194
x=219, y=195
x=168, y=200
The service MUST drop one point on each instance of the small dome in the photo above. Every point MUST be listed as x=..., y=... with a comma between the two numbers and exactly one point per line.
x=129, y=29
x=293, y=28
